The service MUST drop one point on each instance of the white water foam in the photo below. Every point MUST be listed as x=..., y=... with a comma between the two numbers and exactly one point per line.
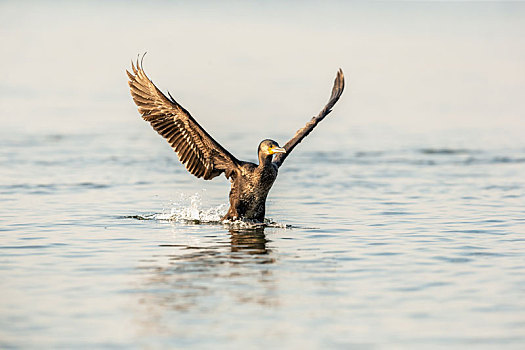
x=189, y=209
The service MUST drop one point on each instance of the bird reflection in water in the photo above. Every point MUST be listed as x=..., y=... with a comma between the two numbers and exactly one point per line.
x=251, y=242
x=204, y=278
x=245, y=246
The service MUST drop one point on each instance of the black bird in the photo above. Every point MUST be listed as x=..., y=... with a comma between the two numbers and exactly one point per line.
x=204, y=157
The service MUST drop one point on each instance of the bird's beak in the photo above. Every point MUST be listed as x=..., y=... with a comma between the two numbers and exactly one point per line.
x=277, y=150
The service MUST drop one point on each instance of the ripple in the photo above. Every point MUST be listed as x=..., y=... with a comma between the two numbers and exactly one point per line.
x=49, y=188
x=445, y=151
x=25, y=247
x=454, y=260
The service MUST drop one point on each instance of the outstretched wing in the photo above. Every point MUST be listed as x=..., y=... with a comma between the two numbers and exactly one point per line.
x=337, y=90
x=197, y=150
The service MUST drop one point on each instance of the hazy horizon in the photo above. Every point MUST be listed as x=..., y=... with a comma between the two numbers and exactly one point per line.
x=407, y=64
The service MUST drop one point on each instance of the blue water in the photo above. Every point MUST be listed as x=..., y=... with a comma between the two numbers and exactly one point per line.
x=398, y=223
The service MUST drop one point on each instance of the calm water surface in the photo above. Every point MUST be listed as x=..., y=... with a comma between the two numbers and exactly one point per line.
x=400, y=221
x=405, y=243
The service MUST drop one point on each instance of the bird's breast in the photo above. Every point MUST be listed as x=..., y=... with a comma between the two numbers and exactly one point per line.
x=257, y=181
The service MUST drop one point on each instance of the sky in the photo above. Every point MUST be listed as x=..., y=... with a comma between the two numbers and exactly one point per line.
x=411, y=65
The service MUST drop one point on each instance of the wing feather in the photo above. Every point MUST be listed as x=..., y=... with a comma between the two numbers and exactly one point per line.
x=337, y=90
x=196, y=149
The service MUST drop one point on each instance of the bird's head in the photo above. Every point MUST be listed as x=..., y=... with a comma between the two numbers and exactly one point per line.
x=269, y=147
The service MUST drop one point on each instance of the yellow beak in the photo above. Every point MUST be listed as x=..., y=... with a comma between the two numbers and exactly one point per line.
x=277, y=150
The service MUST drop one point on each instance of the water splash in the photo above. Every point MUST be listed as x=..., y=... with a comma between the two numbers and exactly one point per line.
x=189, y=210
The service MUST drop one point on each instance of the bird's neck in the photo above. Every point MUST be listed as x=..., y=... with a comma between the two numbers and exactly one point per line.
x=264, y=160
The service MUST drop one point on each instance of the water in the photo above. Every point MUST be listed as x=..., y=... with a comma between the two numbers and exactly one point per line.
x=407, y=246
x=391, y=226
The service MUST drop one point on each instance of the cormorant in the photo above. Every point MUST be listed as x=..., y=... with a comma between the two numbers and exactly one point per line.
x=204, y=157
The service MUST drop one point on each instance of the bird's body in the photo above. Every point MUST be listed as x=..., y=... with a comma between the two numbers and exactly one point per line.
x=250, y=188
x=204, y=157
